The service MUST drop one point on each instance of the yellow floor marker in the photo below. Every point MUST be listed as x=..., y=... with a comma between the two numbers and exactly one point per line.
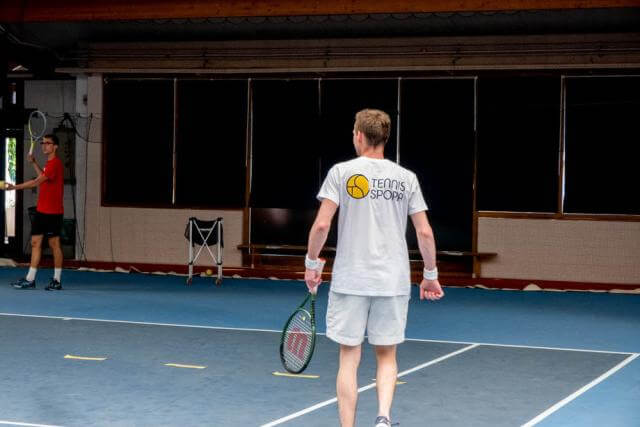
x=287, y=374
x=177, y=365
x=99, y=359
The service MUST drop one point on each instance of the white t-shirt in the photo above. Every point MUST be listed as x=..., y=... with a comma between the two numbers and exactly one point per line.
x=375, y=197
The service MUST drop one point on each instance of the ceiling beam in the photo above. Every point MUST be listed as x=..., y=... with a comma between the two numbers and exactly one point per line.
x=579, y=51
x=16, y=11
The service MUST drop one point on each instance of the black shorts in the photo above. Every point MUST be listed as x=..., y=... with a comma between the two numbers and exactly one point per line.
x=49, y=225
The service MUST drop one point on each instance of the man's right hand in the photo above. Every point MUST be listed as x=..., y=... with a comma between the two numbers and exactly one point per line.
x=313, y=278
x=431, y=290
x=31, y=158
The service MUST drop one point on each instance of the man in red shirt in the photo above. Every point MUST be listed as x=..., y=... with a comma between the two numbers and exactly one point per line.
x=49, y=211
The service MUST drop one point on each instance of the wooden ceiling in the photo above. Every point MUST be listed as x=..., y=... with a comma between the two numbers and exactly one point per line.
x=16, y=11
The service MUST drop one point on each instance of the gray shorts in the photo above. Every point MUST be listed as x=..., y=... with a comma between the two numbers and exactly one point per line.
x=384, y=319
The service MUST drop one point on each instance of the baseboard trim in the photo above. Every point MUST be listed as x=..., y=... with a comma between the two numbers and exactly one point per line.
x=276, y=272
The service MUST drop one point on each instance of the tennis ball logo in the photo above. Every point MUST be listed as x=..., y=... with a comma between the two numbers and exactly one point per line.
x=358, y=186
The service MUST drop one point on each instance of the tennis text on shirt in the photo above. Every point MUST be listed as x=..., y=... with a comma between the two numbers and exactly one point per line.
x=382, y=188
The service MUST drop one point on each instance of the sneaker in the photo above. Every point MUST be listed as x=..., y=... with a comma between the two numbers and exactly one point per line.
x=53, y=285
x=383, y=421
x=24, y=284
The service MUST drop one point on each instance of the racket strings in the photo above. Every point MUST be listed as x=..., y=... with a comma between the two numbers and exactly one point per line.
x=298, y=341
x=37, y=124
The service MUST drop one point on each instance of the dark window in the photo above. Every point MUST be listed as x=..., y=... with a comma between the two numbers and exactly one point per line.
x=285, y=152
x=296, y=141
x=138, y=117
x=518, y=143
x=437, y=143
x=211, y=140
x=341, y=100
x=601, y=166
x=277, y=226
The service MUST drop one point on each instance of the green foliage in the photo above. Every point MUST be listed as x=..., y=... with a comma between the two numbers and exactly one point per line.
x=11, y=155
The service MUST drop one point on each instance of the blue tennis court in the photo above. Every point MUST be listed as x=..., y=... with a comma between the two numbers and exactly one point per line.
x=138, y=349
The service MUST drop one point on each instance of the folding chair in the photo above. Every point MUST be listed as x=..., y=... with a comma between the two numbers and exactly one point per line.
x=205, y=234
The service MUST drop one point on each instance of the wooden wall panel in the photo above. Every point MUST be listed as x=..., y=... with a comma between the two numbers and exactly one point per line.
x=394, y=54
x=82, y=10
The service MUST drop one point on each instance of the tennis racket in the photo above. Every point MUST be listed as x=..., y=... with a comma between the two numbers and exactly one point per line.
x=37, y=125
x=298, y=338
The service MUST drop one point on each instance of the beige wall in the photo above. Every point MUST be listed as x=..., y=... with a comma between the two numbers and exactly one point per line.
x=141, y=235
x=153, y=235
x=564, y=250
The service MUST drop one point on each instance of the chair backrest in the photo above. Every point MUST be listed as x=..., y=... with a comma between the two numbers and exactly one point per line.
x=206, y=228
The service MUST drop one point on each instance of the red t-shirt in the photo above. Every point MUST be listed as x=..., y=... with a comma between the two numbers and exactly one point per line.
x=51, y=190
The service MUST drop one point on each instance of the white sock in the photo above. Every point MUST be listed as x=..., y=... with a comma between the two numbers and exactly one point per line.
x=56, y=273
x=31, y=275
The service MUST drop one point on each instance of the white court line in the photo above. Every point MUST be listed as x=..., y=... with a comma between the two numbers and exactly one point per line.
x=177, y=325
x=13, y=423
x=367, y=387
x=523, y=346
x=580, y=391
x=223, y=328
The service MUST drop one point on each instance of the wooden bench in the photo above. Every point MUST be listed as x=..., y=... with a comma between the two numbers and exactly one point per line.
x=449, y=262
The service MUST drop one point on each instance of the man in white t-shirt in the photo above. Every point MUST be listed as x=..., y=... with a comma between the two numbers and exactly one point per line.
x=371, y=284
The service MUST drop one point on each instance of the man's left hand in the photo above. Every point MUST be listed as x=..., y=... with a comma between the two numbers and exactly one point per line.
x=431, y=290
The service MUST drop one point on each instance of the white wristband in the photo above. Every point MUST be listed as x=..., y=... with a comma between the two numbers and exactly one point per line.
x=430, y=274
x=313, y=264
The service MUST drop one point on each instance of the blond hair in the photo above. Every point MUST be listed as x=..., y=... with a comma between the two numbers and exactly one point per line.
x=375, y=125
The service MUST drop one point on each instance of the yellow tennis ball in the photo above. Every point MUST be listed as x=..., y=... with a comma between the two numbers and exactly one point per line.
x=209, y=272
x=358, y=186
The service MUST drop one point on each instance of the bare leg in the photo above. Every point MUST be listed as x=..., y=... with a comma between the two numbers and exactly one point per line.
x=54, y=244
x=36, y=250
x=347, y=384
x=386, y=377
